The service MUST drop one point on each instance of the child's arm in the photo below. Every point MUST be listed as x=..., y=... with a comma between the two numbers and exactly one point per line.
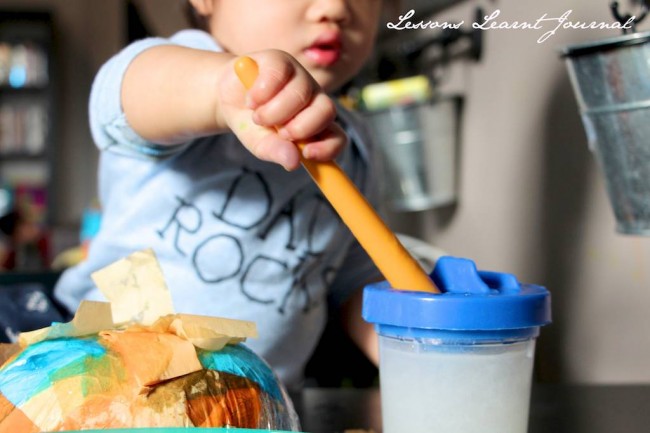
x=171, y=94
x=361, y=332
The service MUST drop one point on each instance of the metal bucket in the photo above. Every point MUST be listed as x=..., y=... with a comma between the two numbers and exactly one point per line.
x=611, y=80
x=418, y=144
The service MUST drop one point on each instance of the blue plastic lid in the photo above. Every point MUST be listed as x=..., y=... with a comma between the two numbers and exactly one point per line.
x=471, y=301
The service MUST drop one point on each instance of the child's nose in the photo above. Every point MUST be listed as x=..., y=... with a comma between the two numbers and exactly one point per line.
x=329, y=10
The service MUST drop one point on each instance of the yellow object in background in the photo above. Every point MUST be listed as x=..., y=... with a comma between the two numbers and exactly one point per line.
x=69, y=257
x=378, y=96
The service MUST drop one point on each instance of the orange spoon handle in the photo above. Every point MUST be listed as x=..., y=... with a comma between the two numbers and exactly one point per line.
x=381, y=244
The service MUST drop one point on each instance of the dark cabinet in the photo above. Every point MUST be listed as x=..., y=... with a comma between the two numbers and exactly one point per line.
x=27, y=119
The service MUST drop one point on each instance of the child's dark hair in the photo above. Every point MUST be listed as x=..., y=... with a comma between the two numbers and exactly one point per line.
x=193, y=17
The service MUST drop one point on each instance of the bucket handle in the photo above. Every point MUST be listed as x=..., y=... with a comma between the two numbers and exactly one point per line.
x=623, y=19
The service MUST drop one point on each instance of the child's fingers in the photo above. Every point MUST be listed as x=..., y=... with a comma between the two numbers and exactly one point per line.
x=313, y=119
x=326, y=145
x=283, y=106
x=263, y=142
x=275, y=71
x=266, y=144
x=273, y=148
x=294, y=97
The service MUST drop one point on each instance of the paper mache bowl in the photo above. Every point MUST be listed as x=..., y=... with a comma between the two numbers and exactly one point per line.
x=171, y=375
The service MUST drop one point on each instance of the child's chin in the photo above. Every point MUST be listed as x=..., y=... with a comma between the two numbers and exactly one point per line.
x=328, y=80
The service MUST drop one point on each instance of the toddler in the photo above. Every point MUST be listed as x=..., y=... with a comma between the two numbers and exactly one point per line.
x=206, y=173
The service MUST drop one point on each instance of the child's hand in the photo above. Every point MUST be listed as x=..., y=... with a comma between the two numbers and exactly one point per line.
x=284, y=106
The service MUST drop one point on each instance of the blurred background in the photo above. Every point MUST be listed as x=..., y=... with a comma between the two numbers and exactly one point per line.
x=515, y=186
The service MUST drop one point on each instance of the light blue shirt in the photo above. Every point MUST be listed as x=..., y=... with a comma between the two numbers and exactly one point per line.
x=235, y=236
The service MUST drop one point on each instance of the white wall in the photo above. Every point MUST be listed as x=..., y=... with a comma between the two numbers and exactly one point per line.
x=532, y=201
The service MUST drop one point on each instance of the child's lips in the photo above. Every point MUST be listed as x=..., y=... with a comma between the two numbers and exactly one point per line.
x=326, y=50
x=324, y=56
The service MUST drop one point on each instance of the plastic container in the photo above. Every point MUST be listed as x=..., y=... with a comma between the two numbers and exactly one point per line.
x=460, y=361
